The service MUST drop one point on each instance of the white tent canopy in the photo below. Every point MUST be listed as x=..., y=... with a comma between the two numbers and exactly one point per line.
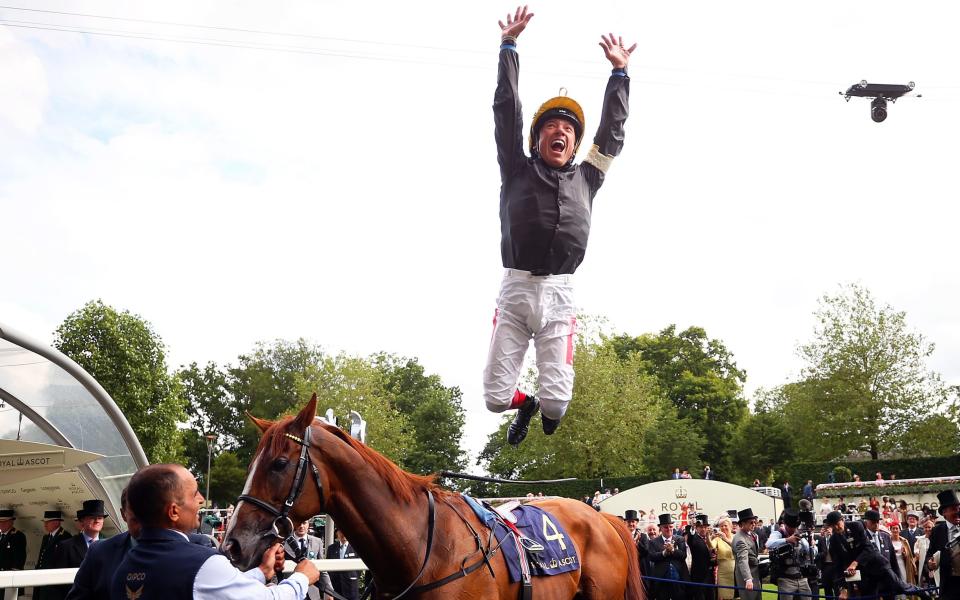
x=48, y=398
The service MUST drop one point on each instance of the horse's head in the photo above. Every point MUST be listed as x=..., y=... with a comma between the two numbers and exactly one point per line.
x=271, y=501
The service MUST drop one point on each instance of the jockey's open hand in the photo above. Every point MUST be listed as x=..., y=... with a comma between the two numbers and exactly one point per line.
x=616, y=53
x=516, y=23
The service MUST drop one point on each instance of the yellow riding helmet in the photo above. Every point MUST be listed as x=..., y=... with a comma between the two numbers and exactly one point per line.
x=563, y=107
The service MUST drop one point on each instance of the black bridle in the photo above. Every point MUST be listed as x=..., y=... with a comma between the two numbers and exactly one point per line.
x=282, y=517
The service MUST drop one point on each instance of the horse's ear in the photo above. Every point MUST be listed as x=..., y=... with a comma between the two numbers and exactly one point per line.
x=307, y=413
x=262, y=424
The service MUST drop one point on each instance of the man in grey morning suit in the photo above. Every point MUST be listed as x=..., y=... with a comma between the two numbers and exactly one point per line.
x=746, y=570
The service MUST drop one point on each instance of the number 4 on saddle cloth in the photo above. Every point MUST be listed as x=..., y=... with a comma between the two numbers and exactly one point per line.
x=547, y=546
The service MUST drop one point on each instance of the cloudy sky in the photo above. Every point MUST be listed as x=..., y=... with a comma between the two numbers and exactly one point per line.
x=244, y=171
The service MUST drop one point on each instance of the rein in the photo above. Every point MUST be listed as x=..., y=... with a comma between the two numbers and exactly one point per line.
x=453, y=475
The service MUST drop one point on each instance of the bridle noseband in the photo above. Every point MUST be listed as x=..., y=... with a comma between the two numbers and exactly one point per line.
x=296, y=487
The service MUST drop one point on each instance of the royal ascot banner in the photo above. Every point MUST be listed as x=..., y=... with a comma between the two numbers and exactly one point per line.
x=22, y=461
x=713, y=498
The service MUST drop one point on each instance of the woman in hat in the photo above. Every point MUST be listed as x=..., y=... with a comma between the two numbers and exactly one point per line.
x=546, y=202
x=722, y=544
x=901, y=549
x=920, y=547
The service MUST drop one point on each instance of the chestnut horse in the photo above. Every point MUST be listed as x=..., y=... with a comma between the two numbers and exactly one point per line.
x=409, y=532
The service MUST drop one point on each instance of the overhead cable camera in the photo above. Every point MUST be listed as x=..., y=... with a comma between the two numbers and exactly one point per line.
x=881, y=93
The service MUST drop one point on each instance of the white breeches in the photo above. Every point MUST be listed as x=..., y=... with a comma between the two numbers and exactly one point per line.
x=542, y=308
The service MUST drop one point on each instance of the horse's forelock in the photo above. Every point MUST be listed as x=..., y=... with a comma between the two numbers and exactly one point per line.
x=274, y=441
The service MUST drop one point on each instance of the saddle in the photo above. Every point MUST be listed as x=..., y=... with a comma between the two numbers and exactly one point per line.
x=524, y=555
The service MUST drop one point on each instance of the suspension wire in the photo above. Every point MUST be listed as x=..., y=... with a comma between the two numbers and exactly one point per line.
x=315, y=51
x=354, y=41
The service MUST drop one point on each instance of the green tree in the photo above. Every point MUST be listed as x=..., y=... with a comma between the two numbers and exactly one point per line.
x=411, y=417
x=122, y=352
x=933, y=435
x=699, y=376
x=870, y=367
x=267, y=383
x=434, y=414
x=614, y=406
x=764, y=443
x=672, y=442
x=227, y=476
x=348, y=383
x=208, y=400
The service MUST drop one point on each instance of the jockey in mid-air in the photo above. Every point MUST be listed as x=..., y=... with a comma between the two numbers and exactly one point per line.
x=545, y=206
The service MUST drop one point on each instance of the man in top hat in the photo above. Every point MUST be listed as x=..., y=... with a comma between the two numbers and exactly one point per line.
x=668, y=554
x=70, y=553
x=746, y=552
x=54, y=534
x=701, y=559
x=641, y=539
x=632, y=520
x=875, y=571
x=840, y=551
x=944, y=551
x=13, y=544
x=826, y=563
x=883, y=543
x=790, y=579
x=101, y=559
x=546, y=202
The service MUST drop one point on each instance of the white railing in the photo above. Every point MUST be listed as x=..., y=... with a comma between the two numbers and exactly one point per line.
x=11, y=580
x=879, y=485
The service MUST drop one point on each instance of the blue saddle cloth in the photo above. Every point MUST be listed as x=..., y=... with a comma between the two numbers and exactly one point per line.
x=559, y=554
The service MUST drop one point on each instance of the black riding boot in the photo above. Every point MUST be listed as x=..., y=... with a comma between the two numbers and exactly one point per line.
x=521, y=423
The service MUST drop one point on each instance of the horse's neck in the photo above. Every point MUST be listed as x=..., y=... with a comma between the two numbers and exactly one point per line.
x=387, y=533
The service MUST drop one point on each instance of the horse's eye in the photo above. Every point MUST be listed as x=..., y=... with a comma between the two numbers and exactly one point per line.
x=279, y=464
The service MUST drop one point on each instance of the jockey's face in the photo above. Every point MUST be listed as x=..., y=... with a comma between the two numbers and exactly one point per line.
x=556, y=143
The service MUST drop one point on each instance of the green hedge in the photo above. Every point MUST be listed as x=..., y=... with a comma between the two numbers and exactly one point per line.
x=904, y=468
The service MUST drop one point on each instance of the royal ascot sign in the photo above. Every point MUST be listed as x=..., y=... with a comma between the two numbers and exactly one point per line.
x=31, y=460
x=22, y=461
x=713, y=498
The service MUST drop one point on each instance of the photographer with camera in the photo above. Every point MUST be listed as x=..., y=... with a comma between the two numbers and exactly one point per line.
x=791, y=553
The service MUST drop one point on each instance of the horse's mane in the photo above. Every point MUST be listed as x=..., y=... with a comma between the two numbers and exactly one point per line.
x=404, y=485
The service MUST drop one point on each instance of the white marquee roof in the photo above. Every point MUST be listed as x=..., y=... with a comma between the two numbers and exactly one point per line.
x=48, y=398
